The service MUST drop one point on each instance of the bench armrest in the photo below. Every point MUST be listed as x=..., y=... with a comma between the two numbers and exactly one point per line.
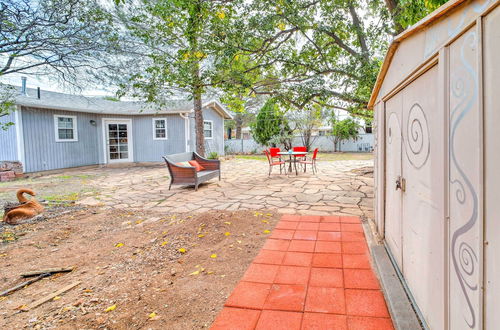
x=209, y=164
x=180, y=171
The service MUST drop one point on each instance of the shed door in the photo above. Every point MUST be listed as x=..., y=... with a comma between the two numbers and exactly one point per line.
x=420, y=201
x=393, y=234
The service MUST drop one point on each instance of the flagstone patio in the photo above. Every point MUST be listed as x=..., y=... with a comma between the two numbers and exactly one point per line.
x=245, y=185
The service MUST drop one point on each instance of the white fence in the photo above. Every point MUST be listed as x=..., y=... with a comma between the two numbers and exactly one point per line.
x=364, y=143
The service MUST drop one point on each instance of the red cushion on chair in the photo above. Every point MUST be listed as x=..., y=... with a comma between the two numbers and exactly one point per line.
x=277, y=163
x=196, y=165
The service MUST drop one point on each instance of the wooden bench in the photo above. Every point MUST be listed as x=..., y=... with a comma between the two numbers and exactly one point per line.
x=184, y=175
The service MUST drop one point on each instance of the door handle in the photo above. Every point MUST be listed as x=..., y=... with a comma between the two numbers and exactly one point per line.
x=401, y=183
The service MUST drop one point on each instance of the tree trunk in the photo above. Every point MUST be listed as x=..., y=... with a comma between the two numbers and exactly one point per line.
x=198, y=120
x=193, y=33
x=238, y=119
x=392, y=6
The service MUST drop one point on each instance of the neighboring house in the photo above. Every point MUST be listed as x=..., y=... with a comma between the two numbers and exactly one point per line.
x=55, y=130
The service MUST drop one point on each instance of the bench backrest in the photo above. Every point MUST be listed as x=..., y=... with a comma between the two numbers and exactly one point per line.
x=182, y=157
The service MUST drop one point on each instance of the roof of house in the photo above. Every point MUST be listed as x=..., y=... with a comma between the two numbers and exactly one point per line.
x=81, y=103
x=420, y=25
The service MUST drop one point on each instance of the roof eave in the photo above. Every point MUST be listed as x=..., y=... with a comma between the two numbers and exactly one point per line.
x=132, y=113
x=219, y=108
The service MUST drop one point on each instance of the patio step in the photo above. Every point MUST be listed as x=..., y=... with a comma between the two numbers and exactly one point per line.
x=313, y=272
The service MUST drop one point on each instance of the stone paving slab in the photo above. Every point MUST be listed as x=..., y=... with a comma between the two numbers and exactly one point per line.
x=245, y=185
x=313, y=272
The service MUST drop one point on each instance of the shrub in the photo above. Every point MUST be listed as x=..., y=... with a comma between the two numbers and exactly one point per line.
x=213, y=155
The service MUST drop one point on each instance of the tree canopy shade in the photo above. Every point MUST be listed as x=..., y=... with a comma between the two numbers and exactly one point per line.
x=66, y=39
x=58, y=37
x=326, y=52
x=181, y=40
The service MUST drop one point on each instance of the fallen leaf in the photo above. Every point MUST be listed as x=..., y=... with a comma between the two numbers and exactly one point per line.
x=139, y=221
x=195, y=272
x=119, y=245
x=227, y=233
x=213, y=256
x=267, y=231
x=201, y=235
x=152, y=315
x=110, y=308
x=164, y=243
x=56, y=298
x=182, y=250
x=265, y=221
x=227, y=222
x=269, y=214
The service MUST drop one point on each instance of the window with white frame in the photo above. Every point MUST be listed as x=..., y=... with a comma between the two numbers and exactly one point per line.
x=208, y=128
x=65, y=128
x=160, y=129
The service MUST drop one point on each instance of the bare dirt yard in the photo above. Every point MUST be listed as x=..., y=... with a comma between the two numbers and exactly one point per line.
x=137, y=269
x=146, y=257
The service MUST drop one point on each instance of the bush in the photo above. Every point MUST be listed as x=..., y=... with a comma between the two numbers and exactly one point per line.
x=213, y=155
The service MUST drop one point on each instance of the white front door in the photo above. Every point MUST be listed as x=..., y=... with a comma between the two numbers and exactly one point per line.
x=118, y=140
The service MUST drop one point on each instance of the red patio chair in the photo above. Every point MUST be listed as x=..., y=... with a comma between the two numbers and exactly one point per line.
x=274, y=153
x=300, y=158
x=311, y=162
x=300, y=149
x=273, y=163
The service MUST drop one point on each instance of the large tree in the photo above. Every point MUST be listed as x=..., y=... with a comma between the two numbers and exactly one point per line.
x=64, y=38
x=68, y=40
x=181, y=41
x=326, y=52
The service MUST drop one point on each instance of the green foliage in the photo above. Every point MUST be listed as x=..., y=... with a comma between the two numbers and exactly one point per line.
x=344, y=130
x=181, y=40
x=269, y=123
x=410, y=12
x=7, y=104
x=111, y=98
x=213, y=155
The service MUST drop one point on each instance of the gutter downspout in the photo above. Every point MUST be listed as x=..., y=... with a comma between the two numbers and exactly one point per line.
x=186, y=129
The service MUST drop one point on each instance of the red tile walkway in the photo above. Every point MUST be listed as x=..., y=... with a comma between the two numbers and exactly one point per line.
x=312, y=273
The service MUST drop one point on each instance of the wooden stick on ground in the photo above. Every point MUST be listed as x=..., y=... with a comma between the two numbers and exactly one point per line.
x=52, y=295
x=48, y=271
x=22, y=285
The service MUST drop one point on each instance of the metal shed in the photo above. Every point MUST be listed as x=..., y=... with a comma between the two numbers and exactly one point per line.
x=437, y=108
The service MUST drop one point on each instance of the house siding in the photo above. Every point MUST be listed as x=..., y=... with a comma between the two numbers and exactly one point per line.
x=146, y=149
x=43, y=153
x=8, y=139
x=217, y=142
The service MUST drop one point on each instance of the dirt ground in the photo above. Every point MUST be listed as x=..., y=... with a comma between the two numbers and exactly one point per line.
x=137, y=269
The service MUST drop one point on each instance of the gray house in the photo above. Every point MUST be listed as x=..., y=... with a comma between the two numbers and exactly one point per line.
x=55, y=130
